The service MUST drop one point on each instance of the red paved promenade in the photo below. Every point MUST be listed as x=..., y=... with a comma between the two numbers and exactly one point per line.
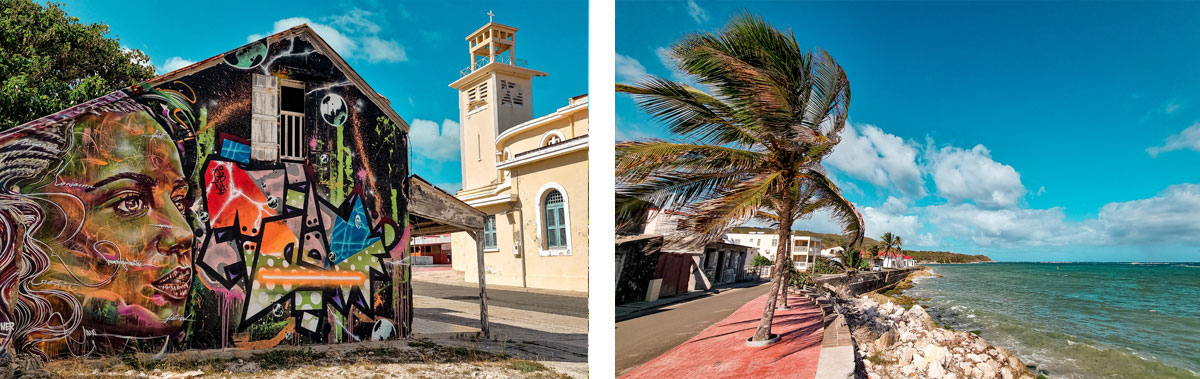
x=721, y=352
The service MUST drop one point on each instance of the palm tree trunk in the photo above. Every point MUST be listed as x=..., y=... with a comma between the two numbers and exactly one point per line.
x=784, y=232
x=787, y=275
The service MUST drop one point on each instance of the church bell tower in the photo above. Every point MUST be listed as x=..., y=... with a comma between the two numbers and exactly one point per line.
x=495, y=94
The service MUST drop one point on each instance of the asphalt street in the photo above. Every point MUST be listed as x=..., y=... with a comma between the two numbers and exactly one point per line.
x=641, y=339
x=575, y=306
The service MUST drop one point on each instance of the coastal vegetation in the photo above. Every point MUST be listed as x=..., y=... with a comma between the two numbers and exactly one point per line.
x=752, y=140
x=945, y=257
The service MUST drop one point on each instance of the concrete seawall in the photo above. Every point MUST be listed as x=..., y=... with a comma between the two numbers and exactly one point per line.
x=864, y=282
x=837, y=360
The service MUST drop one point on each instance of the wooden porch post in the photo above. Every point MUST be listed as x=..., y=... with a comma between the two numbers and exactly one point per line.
x=483, y=312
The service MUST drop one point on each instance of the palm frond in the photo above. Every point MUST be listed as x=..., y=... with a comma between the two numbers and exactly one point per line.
x=843, y=211
x=637, y=160
x=685, y=110
x=712, y=218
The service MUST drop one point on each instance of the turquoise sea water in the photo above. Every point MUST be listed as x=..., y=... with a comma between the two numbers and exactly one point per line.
x=1077, y=320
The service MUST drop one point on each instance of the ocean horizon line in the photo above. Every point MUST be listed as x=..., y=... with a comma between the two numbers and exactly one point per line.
x=1112, y=262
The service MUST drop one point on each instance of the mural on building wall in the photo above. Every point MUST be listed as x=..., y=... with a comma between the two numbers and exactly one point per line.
x=141, y=220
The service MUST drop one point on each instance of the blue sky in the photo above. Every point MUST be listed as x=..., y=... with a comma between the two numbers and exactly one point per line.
x=1025, y=131
x=407, y=51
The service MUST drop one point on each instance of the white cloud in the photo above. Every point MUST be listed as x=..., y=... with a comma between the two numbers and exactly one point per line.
x=820, y=222
x=439, y=143
x=381, y=50
x=1171, y=216
x=1165, y=109
x=1166, y=219
x=924, y=240
x=1187, y=139
x=665, y=58
x=353, y=35
x=697, y=13
x=1172, y=106
x=1009, y=227
x=962, y=175
x=880, y=158
x=356, y=21
x=629, y=69
x=174, y=63
x=890, y=217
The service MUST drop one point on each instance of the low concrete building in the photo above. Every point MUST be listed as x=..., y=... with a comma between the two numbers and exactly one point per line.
x=718, y=262
x=725, y=262
x=429, y=250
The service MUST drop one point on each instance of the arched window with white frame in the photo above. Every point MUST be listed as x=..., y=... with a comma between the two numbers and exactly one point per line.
x=556, y=221
x=553, y=217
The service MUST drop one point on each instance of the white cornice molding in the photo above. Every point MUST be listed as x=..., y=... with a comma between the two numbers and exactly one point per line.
x=559, y=114
x=569, y=146
x=499, y=199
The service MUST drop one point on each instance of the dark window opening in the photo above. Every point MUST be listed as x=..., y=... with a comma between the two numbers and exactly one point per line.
x=291, y=99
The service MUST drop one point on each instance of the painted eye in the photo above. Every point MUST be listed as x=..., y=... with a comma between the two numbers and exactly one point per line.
x=130, y=205
x=178, y=200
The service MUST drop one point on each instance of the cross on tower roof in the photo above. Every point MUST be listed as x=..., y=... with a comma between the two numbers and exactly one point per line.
x=490, y=15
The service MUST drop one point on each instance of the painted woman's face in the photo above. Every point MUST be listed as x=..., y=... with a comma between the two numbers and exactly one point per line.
x=123, y=246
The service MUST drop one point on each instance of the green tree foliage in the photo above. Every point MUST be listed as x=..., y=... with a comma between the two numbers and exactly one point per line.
x=854, y=260
x=760, y=261
x=50, y=61
x=824, y=266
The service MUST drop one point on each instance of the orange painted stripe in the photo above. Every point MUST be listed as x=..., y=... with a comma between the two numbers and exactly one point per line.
x=311, y=277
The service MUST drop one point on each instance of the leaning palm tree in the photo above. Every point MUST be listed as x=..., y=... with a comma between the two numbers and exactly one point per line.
x=752, y=146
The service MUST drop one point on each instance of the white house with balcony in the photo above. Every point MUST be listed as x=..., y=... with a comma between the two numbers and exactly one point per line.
x=805, y=249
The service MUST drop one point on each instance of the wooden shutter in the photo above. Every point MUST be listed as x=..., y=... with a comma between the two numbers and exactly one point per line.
x=264, y=119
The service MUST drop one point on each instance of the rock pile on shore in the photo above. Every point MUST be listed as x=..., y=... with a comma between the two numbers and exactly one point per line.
x=897, y=343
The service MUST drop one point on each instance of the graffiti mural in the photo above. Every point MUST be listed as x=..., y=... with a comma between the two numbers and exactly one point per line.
x=251, y=200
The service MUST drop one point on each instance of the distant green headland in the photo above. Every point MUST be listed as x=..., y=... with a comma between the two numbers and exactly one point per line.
x=920, y=256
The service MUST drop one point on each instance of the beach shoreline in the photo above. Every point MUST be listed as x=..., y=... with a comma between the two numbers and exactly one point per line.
x=896, y=338
x=1073, y=320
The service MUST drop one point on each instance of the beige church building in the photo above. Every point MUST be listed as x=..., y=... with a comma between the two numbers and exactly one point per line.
x=528, y=174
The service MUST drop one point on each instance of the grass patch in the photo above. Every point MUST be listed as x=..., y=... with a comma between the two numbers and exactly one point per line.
x=526, y=366
x=422, y=344
x=137, y=363
x=366, y=359
x=275, y=359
